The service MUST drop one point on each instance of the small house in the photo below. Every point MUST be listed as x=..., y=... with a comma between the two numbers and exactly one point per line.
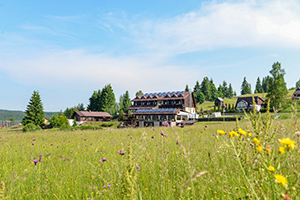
x=245, y=103
x=91, y=116
x=219, y=101
x=297, y=94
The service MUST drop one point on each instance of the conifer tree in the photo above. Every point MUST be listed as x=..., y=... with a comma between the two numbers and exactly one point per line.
x=126, y=101
x=298, y=84
x=225, y=89
x=230, y=91
x=213, y=90
x=206, y=88
x=258, y=86
x=138, y=93
x=35, y=112
x=265, y=84
x=277, y=86
x=246, y=87
x=187, y=88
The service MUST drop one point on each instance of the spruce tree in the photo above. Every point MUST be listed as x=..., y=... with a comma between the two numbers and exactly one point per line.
x=258, y=86
x=230, y=91
x=126, y=102
x=213, y=90
x=187, y=88
x=35, y=112
x=277, y=86
x=225, y=89
x=197, y=87
x=246, y=87
x=138, y=93
x=265, y=84
x=206, y=88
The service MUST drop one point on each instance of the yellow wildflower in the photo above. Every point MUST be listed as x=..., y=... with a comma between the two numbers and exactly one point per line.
x=233, y=133
x=242, y=131
x=290, y=144
x=281, y=150
x=259, y=148
x=250, y=134
x=221, y=132
x=281, y=179
x=272, y=169
x=256, y=141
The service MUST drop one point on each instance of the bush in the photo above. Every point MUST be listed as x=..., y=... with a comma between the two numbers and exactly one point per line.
x=30, y=127
x=88, y=127
x=107, y=124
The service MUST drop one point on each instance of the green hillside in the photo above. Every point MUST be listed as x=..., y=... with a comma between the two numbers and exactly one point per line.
x=18, y=115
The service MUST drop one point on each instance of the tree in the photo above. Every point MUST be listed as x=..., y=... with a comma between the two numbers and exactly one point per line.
x=220, y=91
x=187, y=88
x=201, y=98
x=265, y=84
x=298, y=84
x=206, y=88
x=94, y=100
x=107, y=98
x=35, y=112
x=213, y=90
x=69, y=112
x=246, y=87
x=197, y=87
x=230, y=91
x=277, y=86
x=138, y=93
x=126, y=101
x=54, y=121
x=225, y=89
x=80, y=107
x=258, y=86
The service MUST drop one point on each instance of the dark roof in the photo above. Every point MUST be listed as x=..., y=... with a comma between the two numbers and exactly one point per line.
x=91, y=114
x=248, y=100
x=220, y=99
x=161, y=96
x=133, y=107
x=156, y=111
x=297, y=92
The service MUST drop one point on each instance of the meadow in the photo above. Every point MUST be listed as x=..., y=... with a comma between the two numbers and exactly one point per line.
x=194, y=162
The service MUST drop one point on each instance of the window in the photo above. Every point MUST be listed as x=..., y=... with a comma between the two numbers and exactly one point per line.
x=143, y=103
x=135, y=103
x=148, y=103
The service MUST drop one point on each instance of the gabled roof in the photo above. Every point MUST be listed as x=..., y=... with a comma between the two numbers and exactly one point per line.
x=248, y=100
x=297, y=92
x=162, y=95
x=91, y=114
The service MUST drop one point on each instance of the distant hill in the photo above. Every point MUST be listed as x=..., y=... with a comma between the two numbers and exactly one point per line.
x=18, y=115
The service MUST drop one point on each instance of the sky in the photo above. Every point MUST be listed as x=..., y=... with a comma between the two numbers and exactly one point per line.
x=68, y=49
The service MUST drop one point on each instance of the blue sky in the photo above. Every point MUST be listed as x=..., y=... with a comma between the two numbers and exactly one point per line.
x=67, y=49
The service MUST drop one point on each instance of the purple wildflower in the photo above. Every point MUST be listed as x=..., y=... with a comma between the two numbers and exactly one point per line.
x=60, y=141
x=35, y=161
x=153, y=129
x=152, y=137
x=33, y=139
x=104, y=187
x=179, y=125
x=213, y=134
x=41, y=155
x=148, y=159
x=167, y=125
x=130, y=137
x=51, y=144
x=100, y=161
x=166, y=135
x=138, y=167
x=168, y=151
x=62, y=156
x=108, y=186
x=243, y=138
x=32, y=144
x=118, y=152
x=71, y=152
x=162, y=133
x=104, y=159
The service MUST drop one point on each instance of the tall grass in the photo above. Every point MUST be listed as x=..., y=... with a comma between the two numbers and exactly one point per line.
x=182, y=163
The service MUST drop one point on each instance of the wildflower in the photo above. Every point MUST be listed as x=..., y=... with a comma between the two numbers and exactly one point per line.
x=62, y=156
x=249, y=134
x=280, y=179
x=33, y=139
x=51, y=144
x=41, y=155
x=153, y=129
x=281, y=150
x=152, y=137
x=242, y=131
x=104, y=187
x=221, y=132
x=290, y=144
x=168, y=151
x=138, y=167
x=179, y=125
x=109, y=186
x=272, y=169
x=168, y=125
x=166, y=135
x=71, y=152
x=259, y=148
x=256, y=141
x=233, y=133
x=32, y=144
x=35, y=161
x=104, y=159
x=162, y=133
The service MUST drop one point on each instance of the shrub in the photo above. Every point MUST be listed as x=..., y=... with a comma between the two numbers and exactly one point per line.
x=30, y=127
x=108, y=124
